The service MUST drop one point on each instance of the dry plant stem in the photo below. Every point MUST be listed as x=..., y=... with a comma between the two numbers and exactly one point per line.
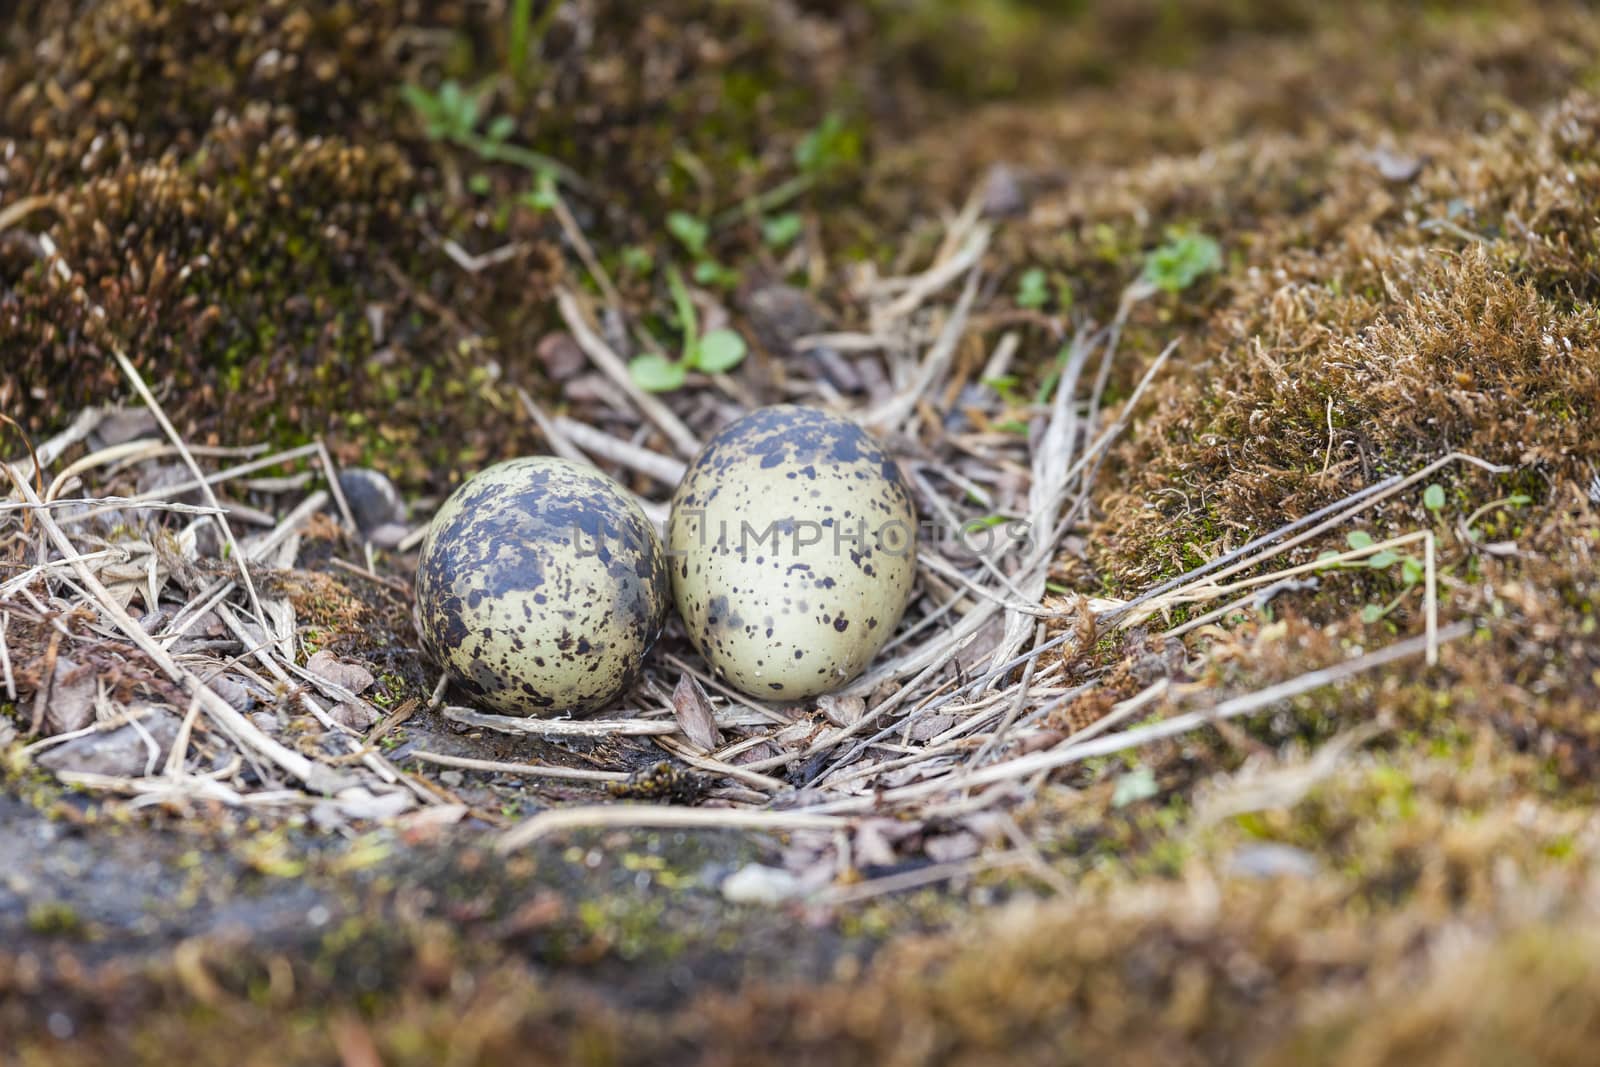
x=659, y=817
x=727, y=770
x=553, y=437
x=1207, y=590
x=209, y=598
x=5, y=658
x=934, y=363
x=316, y=777
x=536, y=770
x=921, y=287
x=180, y=744
x=1075, y=752
x=105, y=726
x=1013, y=709
x=613, y=367
x=331, y=472
x=663, y=469
x=1341, y=510
x=1051, y=461
x=591, y=262
x=86, y=423
x=511, y=724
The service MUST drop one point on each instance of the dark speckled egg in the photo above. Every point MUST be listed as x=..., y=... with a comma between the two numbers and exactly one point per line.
x=793, y=551
x=540, y=587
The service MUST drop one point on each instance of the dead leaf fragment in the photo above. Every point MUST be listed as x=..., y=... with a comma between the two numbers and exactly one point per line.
x=693, y=712
x=330, y=668
x=841, y=710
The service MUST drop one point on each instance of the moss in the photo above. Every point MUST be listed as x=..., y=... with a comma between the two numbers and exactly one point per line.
x=55, y=920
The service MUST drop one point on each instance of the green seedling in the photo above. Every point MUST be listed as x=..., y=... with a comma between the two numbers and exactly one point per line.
x=1033, y=289
x=714, y=352
x=780, y=231
x=1182, y=261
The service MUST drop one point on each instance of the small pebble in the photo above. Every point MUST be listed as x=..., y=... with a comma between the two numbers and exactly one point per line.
x=758, y=884
x=125, y=752
x=1272, y=860
x=373, y=499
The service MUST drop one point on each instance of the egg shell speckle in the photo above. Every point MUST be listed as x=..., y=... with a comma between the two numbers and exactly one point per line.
x=793, y=551
x=541, y=586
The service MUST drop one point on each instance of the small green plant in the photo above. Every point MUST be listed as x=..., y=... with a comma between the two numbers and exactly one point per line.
x=543, y=195
x=833, y=145
x=448, y=114
x=637, y=259
x=525, y=35
x=1515, y=500
x=780, y=231
x=691, y=232
x=453, y=115
x=694, y=234
x=714, y=352
x=1412, y=571
x=1033, y=289
x=1133, y=786
x=830, y=147
x=1182, y=261
x=1004, y=385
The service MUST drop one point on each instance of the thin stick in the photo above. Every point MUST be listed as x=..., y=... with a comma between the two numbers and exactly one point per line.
x=933, y=364
x=659, y=817
x=5, y=657
x=727, y=770
x=940, y=275
x=332, y=474
x=1341, y=510
x=1430, y=598
x=511, y=724
x=580, y=242
x=664, y=469
x=534, y=770
x=612, y=366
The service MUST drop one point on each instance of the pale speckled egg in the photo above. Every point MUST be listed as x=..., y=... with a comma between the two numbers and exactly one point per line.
x=792, y=545
x=541, y=586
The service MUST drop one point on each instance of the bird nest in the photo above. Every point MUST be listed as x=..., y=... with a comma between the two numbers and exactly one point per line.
x=151, y=629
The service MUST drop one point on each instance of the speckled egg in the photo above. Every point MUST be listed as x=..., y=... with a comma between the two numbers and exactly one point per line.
x=793, y=551
x=540, y=587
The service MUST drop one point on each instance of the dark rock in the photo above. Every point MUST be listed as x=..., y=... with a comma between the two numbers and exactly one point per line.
x=1272, y=860
x=127, y=751
x=562, y=358
x=781, y=315
x=373, y=499
x=237, y=696
x=124, y=425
